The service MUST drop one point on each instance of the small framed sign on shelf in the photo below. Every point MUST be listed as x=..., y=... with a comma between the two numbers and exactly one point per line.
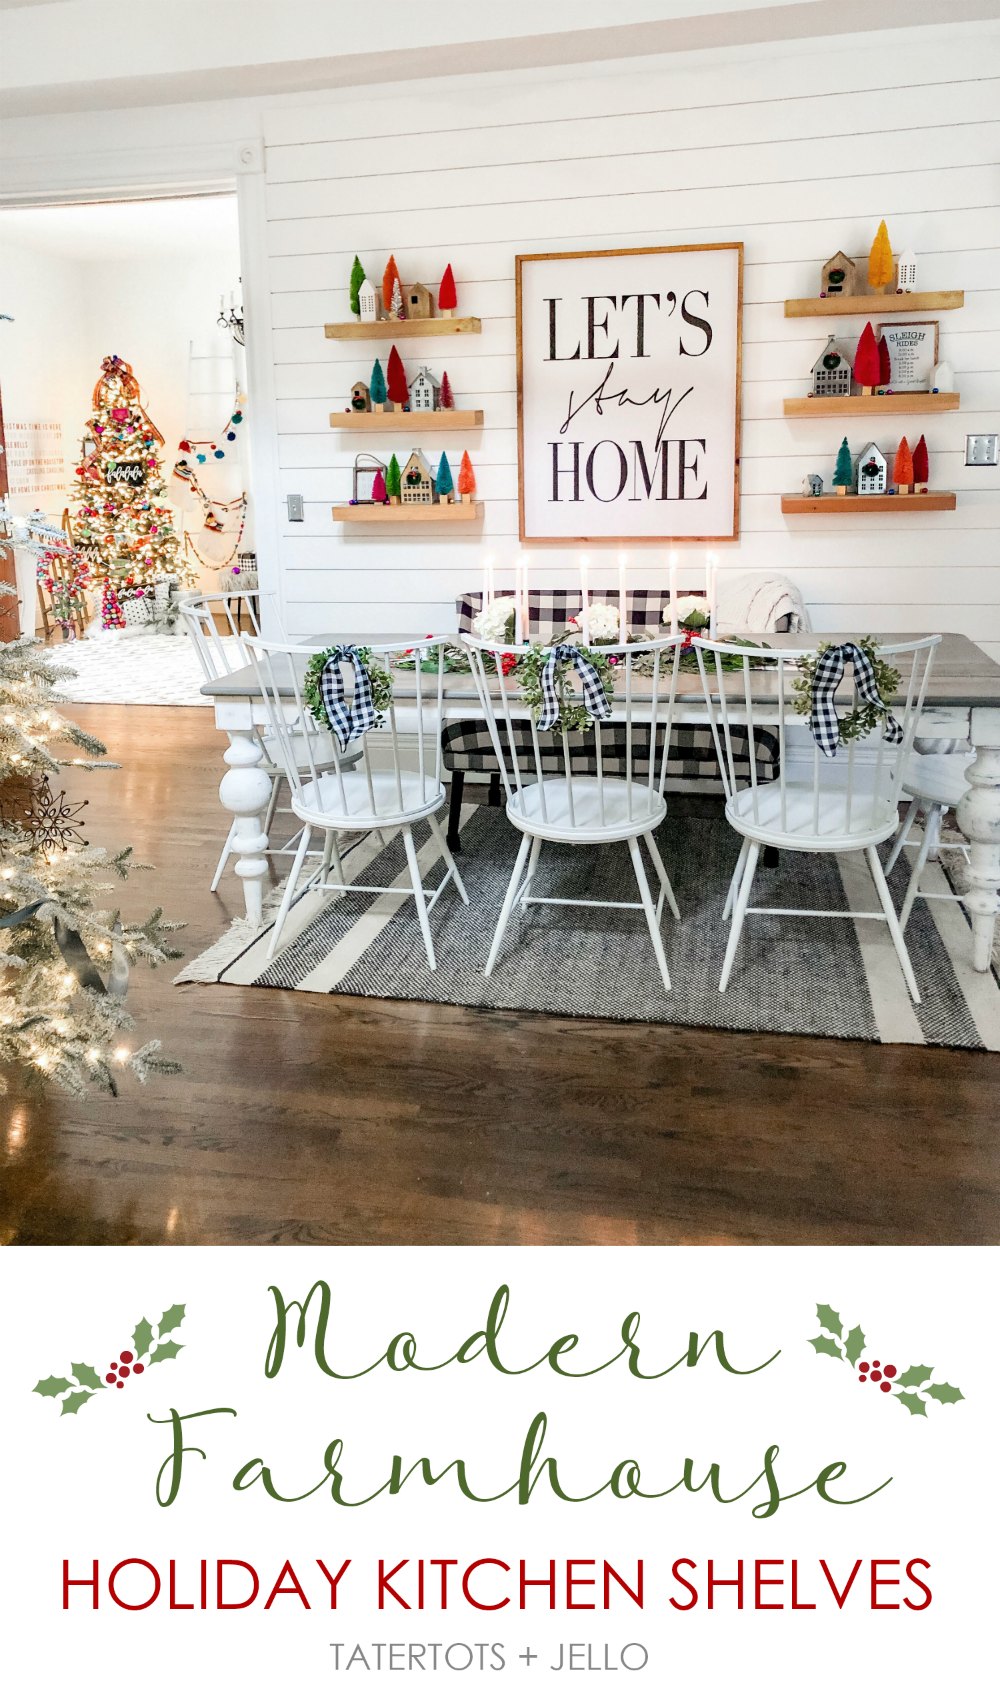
x=913, y=353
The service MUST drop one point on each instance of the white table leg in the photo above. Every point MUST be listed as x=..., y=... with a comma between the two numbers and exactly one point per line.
x=978, y=815
x=245, y=790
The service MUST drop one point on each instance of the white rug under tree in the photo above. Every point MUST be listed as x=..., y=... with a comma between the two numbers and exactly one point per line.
x=117, y=667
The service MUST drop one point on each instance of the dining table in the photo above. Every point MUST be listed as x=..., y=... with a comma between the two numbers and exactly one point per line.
x=961, y=705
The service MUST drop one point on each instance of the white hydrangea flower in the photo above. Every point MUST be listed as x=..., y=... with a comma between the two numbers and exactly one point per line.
x=490, y=624
x=687, y=604
x=603, y=621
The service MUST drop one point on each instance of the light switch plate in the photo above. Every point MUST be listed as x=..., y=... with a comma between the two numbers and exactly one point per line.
x=296, y=514
x=982, y=449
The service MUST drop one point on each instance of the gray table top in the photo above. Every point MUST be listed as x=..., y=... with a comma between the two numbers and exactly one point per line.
x=963, y=675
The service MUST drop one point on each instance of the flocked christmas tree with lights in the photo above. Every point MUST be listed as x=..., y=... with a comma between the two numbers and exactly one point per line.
x=123, y=525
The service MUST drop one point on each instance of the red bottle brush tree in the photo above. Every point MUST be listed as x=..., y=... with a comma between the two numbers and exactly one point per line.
x=396, y=384
x=884, y=363
x=379, y=495
x=446, y=399
x=921, y=469
x=447, y=297
x=902, y=468
x=866, y=361
x=390, y=276
x=466, y=478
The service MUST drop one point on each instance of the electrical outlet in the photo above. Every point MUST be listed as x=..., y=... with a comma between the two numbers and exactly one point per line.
x=296, y=513
x=982, y=449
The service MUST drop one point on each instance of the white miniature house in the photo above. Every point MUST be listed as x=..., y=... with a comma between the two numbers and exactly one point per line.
x=367, y=302
x=417, y=483
x=424, y=391
x=872, y=471
x=831, y=374
x=906, y=273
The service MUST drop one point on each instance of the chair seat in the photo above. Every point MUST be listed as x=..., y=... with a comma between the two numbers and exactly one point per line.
x=323, y=753
x=325, y=804
x=804, y=828
x=937, y=778
x=586, y=827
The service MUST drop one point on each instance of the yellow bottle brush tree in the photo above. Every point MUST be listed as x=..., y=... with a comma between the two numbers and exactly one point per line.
x=880, y=267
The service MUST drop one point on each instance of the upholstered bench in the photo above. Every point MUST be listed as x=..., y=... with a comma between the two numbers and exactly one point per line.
x=467, y=748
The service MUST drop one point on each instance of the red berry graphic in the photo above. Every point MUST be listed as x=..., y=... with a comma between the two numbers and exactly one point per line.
x=110, y=1376
x=875, y=1364
x=876, y=1375
x=119, y=1384
x=862, y=1380
x=890, y=1370
x=124, y=1371
x=887, y=1387
x=137, y=1369
x=126, y=1357
x=113, y=1364
x=863, y=1369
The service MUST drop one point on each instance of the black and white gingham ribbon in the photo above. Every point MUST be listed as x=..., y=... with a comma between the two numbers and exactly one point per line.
x=347, y=722
x=593, y=693
x=823, y=721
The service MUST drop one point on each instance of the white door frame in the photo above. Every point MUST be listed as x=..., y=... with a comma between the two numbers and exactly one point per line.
x=145, y=173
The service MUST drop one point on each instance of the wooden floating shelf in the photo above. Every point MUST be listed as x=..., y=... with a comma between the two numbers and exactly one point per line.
x=842, y=505
x=871, y=405
x=867, y=305
x=465, y=513
x=410, y=421
x=389, y=329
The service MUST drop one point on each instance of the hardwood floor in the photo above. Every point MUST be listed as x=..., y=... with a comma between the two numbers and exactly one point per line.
x=302, y=1118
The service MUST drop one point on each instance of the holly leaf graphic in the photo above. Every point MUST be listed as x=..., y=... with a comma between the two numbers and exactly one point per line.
x=71, y=1404
x=916, y=1375
x=166, y=1349
x=823, y=1343
x=52, y=1386
x=829, y=1319
x=172, y=1319
x=914, y=1404
x=854, y=1345
x=142, y=1337
x=87, y=1376
x=944, y=1393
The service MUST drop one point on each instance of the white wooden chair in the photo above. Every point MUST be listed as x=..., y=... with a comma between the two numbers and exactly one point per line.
x=839, y=805
x=934, y=783
x=221, y=651
x=554, y=793
x=357, y=792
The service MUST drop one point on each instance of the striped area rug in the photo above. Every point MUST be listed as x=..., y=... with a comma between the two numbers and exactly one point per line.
x=792, y=975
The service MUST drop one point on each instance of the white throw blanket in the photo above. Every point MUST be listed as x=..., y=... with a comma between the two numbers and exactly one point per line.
x=757, y=602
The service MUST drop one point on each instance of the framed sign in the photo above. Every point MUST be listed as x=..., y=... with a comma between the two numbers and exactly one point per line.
x=913, y=353
x=628, y=394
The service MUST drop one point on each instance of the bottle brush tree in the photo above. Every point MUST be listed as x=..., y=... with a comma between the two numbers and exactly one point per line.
x=902, y=467
x=866, y=361
x=466, y=478
x=396, y=304
x=447, y=297
x=357, y=278
x=880, y=261
x=921, y=468
x=884, y=363
x=376, y=387
x=389, y=277
x=393, y=481
x=446, y=399
x=379, y=495
x=843, y=475
x=444, y=485
x=399, y=392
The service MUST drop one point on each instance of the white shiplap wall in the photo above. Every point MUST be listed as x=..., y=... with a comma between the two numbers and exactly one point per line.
x=795, y=155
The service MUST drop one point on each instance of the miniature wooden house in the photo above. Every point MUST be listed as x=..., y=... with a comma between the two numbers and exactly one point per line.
x=873, y=472
x=812, y=485
x=831, y=374
x=361, y=399
x=906, y=273
x=838, y=276
x=417, y=300
x=424, y=391
x=367, y=302
x=417, y=488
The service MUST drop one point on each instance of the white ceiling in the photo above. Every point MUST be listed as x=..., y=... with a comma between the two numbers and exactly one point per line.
x=138, y=228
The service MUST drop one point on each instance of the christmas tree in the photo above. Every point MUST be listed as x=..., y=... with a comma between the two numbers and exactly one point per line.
x=393, y=481
x=357, y=278
x=921, y=468
x=376, y=388
x=884, y=363
x=843, y=476
x=389, y=278
x=396, y=303
x=399, y=393
x=466, y=478
x=444, y=485
x=122, y=525
x=866, y=361
x=446, y=399
x=902, y=468
x=880, y=260
x=379, y=495
x=64, y=957
x=447, y=297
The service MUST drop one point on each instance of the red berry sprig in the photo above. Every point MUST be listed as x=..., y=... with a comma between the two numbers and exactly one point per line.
x=121, y=1368
x=876, y=1371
